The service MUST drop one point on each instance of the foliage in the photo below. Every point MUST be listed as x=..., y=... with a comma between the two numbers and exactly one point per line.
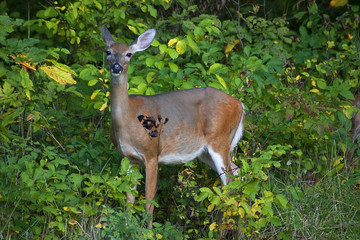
x=60, y=176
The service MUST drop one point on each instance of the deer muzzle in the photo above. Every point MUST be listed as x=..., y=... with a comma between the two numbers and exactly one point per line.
x=116, y=68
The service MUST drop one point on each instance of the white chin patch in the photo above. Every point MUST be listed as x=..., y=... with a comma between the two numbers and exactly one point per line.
x=116, y=74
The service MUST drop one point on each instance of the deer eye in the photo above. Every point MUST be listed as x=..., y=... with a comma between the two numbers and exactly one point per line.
x=108, y=52
x=129, y=54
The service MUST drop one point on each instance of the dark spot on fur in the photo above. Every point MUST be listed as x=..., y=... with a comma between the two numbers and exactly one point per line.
x=153, y=133
x=151, y=125
x=140, y=117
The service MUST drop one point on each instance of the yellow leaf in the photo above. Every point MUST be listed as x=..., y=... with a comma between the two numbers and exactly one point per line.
x=159, y=236
x=338, y=3
x=338, y=161
x=330, y=44
x=230, y=47
x=313, y=82
x=149, y=235
x=133, y=29
x=94, y=94
x=212, y=226
x=30, y=117
x=61, y=8
x=211, y=207
x=103, y=106
x=241, y=212
x=221, y=81
x=217, y=182
x=23, y=63
x=58, y=74
x=72, y=222
x=172, y=42
x=314, y=90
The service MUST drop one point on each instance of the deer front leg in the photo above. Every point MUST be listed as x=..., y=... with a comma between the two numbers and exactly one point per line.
x=150, y=186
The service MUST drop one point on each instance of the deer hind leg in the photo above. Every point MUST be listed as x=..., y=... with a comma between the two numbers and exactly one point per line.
x=222, y=163
x=150, y=186
x=207, y=159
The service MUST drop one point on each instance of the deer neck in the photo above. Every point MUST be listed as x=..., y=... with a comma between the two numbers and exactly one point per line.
x=119, y=98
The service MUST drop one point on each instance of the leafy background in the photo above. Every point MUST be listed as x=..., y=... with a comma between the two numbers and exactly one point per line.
x=294, y=64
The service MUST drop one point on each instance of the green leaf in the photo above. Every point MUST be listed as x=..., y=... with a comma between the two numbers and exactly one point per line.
x=150, y=91
x=137, y=80
x=142, y=88
x=199, y=32
x=296, y=193
x=252, y=188
x=150, y=77
x=76, y=179
x=92, y=82
x=160, y=64
x=181, y=47
x=192, y=44
x=149, y=61
x=202, y=196
x=188, y=25
x=282, y=201
x=173, y=67
x=217, y=190
x=347, y=94
x=215, y=200
x=96, y=179
x=173, y=53
x=26, y=82
x=247, y=50
x=124, y=166
x=206, y=189
x=51, y=209
x=213, y=68
x=162, y=48
x=152, y=10
x=187, y=85
x=275, y=221
x=246, y=206
x=303, y=32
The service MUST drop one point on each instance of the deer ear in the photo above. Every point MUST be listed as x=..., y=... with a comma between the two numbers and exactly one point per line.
x=107, y=36
x=143, y=41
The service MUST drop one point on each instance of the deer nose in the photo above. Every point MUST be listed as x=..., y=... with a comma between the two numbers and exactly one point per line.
x=116, y=68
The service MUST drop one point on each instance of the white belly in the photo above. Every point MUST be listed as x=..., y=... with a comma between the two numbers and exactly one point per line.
x=180, y=158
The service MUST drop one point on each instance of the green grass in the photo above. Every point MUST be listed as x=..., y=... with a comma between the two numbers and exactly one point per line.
x=330, y=209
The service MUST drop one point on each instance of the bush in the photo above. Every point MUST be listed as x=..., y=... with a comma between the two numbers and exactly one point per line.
x=60, y=176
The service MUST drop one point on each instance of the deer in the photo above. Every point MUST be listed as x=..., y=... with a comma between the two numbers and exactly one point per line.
x=169, y=128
